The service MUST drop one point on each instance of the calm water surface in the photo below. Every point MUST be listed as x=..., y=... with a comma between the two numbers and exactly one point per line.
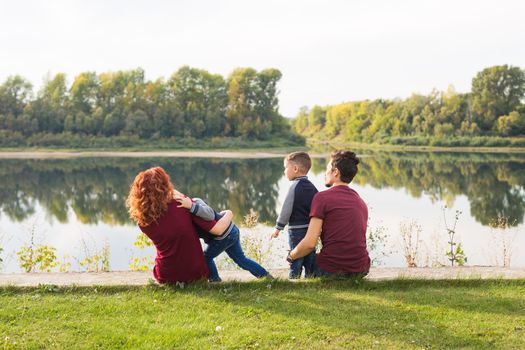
x=77, y=205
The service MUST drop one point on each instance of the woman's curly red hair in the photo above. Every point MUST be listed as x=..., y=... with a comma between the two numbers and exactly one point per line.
x=148, y=198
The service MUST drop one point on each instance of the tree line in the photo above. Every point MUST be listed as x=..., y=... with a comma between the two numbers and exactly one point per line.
x=494, y=107
x=192, y=103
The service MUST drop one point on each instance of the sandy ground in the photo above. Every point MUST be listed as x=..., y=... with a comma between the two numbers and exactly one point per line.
x=143, y=278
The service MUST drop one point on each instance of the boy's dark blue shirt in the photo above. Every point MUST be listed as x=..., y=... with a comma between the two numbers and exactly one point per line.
x=296, y=207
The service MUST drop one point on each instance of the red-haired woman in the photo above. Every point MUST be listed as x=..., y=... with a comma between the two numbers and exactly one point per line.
x=179, y=252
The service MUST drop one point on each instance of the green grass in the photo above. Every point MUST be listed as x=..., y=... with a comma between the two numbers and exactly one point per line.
x=408, y=314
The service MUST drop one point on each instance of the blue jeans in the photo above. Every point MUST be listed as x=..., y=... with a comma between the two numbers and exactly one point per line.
x=308, y=262
x=232, y=246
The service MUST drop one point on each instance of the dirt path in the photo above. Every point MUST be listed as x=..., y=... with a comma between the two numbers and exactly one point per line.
x=143, y=278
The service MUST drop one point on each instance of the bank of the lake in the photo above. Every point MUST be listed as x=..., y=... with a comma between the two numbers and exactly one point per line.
x=143, y=278
x=315, y=149
x=133, y=142
x=319, y=146
x=407, y=314
x=56, y=153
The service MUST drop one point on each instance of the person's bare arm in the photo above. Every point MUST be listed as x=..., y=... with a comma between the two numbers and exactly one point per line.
x=309, y=241
x=222, y=224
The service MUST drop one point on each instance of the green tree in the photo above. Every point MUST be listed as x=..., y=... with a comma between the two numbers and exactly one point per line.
x=512, y=124
x=317, y=118
x=138, y=123
x=199, y=100
x=253, y=104
x=241, y=101
x=300, y=121
x=496, y=91
x=454, y=108
x=121, y=95
x=83, y=92
x=267, y=117
x=15, y=93
x=51, y=106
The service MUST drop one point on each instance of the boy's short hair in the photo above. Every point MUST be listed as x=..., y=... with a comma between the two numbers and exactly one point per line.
x=301, y=159
x=346, y=162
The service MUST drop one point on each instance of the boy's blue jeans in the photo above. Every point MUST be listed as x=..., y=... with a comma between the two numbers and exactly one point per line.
x=308, y=262
x=232, y=246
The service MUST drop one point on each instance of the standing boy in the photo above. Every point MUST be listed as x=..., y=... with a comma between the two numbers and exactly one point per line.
x=296, y=209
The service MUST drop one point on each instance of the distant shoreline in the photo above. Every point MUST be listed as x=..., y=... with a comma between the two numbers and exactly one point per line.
x=412, y=148
x=46, y=154
x=315, y=152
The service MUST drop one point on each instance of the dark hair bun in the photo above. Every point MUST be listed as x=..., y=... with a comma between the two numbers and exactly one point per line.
x=353, y=156
x=346, y=162
x=349, y=155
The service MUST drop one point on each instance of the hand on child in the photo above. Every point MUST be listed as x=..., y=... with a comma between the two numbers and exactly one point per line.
x=226, y=212
x=275, y=234
x=185, y=202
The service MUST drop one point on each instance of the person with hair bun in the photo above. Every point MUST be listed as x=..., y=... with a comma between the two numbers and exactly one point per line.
x=152, y=206
x=339, y=217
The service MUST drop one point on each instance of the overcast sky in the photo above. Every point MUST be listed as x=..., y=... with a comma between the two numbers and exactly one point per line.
x=328, y=51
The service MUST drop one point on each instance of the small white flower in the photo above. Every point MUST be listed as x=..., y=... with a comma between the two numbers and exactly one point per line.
x=218, y=329
x=6, y=338
x=154, y=300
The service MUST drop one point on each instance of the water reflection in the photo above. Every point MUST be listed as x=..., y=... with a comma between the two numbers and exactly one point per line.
x=94, y=189
x=493, y=183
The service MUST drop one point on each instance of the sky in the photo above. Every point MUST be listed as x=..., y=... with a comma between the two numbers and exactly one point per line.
x=328, y=51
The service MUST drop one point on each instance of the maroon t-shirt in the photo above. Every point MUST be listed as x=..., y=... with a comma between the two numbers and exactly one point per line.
x=343, y=234
x=179, y=252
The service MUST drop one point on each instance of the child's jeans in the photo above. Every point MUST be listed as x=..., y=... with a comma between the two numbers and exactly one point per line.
x=232, y=246
x=308, y=262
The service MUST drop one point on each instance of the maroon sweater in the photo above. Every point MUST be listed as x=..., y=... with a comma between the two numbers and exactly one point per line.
x=179, y=252
x=343, y=235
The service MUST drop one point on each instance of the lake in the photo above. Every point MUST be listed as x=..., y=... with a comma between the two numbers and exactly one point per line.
x=76, y=205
